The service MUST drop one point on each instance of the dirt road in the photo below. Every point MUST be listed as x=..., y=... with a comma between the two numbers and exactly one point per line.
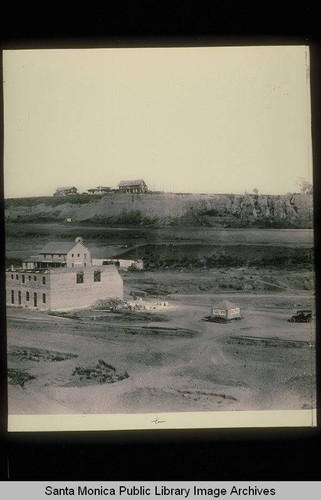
x=187, y=365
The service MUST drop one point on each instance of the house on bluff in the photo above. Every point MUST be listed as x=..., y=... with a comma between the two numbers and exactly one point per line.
x=65, y=191
x=136, y=186
x=99, y=190
x=61, y=277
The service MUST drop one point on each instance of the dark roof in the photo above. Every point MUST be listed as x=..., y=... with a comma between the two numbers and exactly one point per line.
x=60, y=247
x=135, y=182
x=225, y=304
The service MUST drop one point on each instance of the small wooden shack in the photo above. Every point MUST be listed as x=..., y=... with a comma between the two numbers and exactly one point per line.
x=225, y=310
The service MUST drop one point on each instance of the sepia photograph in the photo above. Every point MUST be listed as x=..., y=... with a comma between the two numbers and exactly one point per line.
x=159, y=238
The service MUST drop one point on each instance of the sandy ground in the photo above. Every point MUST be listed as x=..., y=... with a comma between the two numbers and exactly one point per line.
x=261, y=362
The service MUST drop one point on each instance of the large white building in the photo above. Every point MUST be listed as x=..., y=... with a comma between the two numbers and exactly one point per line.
x=61, y=277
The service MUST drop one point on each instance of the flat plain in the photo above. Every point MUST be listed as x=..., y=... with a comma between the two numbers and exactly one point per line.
x=95, y=361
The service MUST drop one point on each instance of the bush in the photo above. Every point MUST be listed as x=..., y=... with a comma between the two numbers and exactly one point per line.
x=109, y=304
x=102, y=373
x=19, y=377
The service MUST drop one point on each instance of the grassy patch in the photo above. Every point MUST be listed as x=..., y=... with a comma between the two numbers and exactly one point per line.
x=111, y=304
x=102, y=372
x=161, y=331
x=270, y=342
x=19, y=377
x=33, y=354
x=133, y=316
x=64, y=315
x=205, y=256
x=207, y=393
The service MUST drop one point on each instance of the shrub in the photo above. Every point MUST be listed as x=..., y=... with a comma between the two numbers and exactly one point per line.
x=19, y=377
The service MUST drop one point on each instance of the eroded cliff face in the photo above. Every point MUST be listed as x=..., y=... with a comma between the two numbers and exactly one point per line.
x=286, y=211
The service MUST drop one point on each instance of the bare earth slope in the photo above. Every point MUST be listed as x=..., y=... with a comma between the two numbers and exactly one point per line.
x=209, y=210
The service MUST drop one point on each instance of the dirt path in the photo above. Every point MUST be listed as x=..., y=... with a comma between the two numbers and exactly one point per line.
x=203, y=370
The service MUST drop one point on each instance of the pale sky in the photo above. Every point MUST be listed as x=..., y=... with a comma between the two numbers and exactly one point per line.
x=210, y=120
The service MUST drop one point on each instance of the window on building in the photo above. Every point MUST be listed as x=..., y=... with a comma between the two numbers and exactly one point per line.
x=43, y=280
x=19, y=298
x=35, y=301
x=23, y=278
x=44, y=298
x=78, y=255
x=29, y=278
x=85, y=256
x=97, y=276
x=72, y=265
x=80, y=278
x=72, y=254
x=35, y=278
x=12, y=276
x=12, y=296
x=84, y=264
x=27, y=296
x=220, y=312
x=17, y=276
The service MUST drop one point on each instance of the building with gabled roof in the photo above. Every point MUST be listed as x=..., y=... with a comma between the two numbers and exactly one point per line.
x=133, y=186
x=60, y=254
